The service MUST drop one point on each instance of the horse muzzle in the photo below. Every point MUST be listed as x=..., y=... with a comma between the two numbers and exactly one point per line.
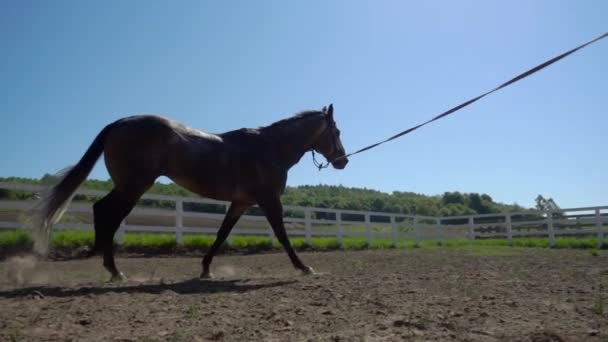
x=339, y=163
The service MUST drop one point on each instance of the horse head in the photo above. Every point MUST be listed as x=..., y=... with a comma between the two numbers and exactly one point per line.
x=328, y=143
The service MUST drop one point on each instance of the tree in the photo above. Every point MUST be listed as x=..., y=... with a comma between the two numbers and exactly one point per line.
x=453, y=198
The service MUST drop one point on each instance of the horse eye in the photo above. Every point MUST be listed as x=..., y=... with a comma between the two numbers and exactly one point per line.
x=338, y=132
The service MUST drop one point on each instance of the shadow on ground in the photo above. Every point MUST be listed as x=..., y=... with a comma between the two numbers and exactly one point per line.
x=190, y=286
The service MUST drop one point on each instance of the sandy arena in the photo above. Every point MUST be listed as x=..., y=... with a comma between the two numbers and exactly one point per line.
x=493, y=294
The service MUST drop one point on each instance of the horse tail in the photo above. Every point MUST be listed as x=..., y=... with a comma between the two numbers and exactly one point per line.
x=55, y=201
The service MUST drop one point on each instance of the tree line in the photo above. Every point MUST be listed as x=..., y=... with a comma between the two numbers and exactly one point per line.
x=321, y=196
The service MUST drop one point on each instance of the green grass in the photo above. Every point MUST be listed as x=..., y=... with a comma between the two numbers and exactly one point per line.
x=296, y=242
x=252, y=243
x=578, y=243
x=381, y=244
x=351, y=243
x=150, y=240
x=485, y=250
x=406, y=244
x=531, y=242
x=429, y=244
x=19, y=239
x=15, y=239
x=195, y=241
x=325, y=243
x=492, y=242
x=72, y=238
x=454, y=243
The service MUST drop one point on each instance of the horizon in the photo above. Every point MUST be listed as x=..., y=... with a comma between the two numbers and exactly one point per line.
x=169, y=182
x=70, y=68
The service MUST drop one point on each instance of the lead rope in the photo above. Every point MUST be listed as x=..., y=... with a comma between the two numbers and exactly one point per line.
x=519, y=77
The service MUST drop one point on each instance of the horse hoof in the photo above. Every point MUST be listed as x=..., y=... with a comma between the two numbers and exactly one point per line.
x=117, y=278
x=84, y=252
x=206, y=275
x=308, y=271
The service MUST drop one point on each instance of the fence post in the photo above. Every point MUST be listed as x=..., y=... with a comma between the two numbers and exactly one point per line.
x=439, y=228
x=368, y=229
x=600, y=228
x=471, y=228
x=339, y=237
x=509, y=229
x=416, y=231
x=179, y=221
x=393, y=231
x=551, y=231
x=308, y=226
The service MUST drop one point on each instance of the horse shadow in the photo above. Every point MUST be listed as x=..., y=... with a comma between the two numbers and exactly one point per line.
x=186, y=287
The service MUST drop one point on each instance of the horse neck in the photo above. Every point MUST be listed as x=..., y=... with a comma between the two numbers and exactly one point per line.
x=296, y=137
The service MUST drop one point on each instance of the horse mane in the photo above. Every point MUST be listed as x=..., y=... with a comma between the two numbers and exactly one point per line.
x=275, y=129
x=296, y=117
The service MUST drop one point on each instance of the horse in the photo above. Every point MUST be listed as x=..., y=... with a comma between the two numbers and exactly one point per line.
x=245, y=167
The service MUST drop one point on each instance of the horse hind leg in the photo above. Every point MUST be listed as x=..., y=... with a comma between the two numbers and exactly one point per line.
x=108, y=213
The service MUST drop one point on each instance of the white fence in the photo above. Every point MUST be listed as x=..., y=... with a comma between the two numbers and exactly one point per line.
x=309, y=222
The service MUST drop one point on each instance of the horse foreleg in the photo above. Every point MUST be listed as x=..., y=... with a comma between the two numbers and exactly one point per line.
x=273, y=209
x=235, y=211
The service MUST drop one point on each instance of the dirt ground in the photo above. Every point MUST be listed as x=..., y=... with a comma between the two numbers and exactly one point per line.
x=451, y=294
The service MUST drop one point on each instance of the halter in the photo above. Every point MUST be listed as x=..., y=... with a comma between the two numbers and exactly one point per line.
x=321, y=165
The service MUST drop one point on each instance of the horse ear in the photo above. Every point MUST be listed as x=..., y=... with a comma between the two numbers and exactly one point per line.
x=330, y=110
x=324, y=110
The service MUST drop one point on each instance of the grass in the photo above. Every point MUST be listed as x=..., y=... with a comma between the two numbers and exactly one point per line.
x=406, y=244
x=483, y=251
x=381, y=244
x=251, y=243
x=325, y=243
x=492, y=242
x=15, y=239
x=20, y=240
x=195, y=241
x=72, y=238
x=354, y=243
x=298, y=243
x=578, y=243
x=150, y=240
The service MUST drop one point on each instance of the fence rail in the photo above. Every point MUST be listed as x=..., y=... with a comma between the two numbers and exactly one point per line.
x=311, y=222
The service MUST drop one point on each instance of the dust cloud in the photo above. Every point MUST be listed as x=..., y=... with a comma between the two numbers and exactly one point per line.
x=21, y=270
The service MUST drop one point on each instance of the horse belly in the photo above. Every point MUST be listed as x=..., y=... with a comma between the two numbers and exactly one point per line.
x=208, y=176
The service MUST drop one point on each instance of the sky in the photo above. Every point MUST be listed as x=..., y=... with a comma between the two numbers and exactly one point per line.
x=68, y=68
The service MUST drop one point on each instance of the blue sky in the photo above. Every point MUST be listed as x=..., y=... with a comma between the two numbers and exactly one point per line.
x=68, y=68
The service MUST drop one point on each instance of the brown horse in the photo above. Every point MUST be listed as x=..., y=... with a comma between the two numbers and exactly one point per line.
x=245, y=166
